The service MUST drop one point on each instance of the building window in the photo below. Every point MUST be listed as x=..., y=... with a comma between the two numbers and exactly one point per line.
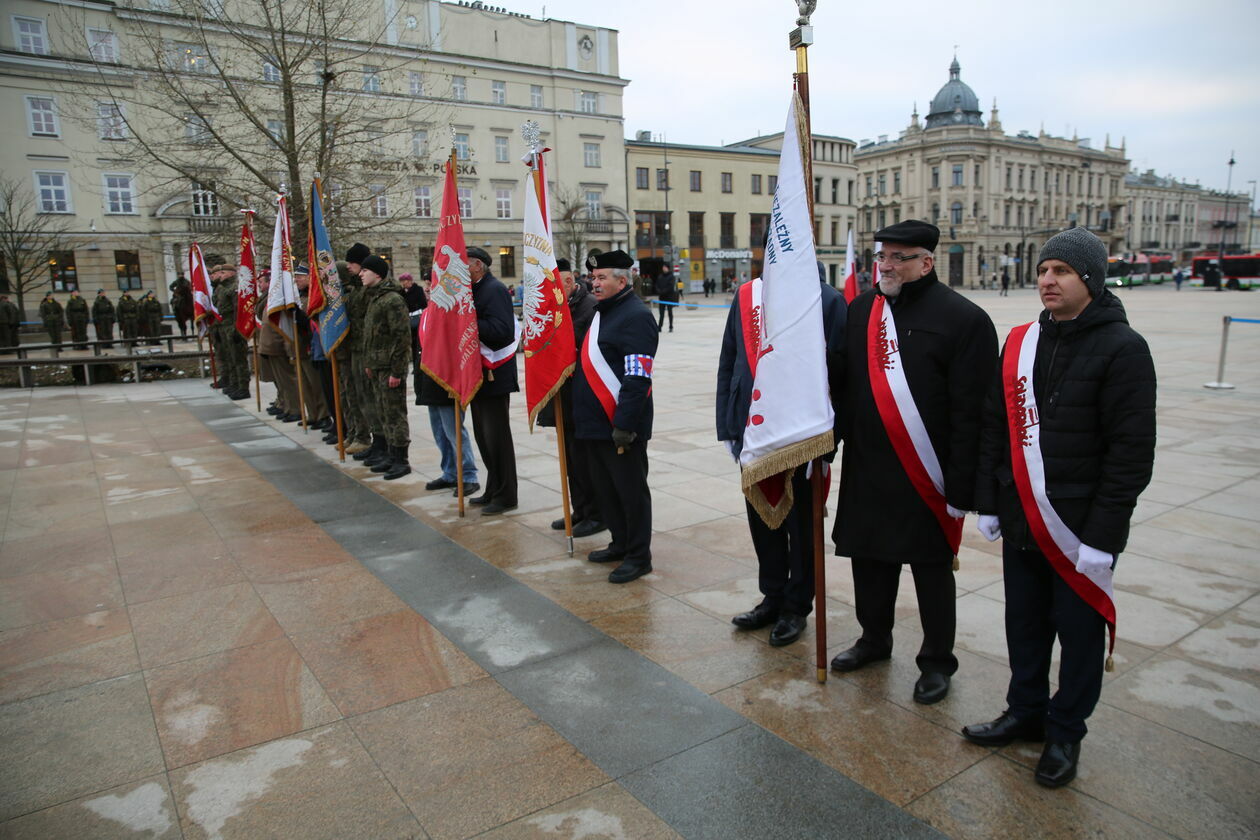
x=594, y=204
x=424, y=202
x=881, y=213
x=896, y=182
x=883, y=184
x=1021, y=179
x=695, y=180
x=590, y=155
x=498, y=93
x=695, y=229
x=772, y=183
x=870, y=185
x=728, y=182
x=896, y=215
x=662, y=179
x=372, y=79
x=835, y=190
x=507, y=261
x=379, y=201
x=103, y=46
x=957, y=178
x=1010, y=170
x=500, y=149
x=127, y=269
x=936, y=212
x=535, y=96
x=192, y=58
x=955, y=213
x=588, y=102
x=1020, y=216
x=461, y=146
x=375, y=141
x=420, y=143
x=205, y=201
x=415, y=83
x=726, y=232
x=53, y=190
x=641, y=177
x=459, y=88
x=758, y=227
x=818, y=190
x=41, y=116
x=196, y=128
x=276, y=129
x=1006, y=215
x=465, y=202
x=29, y=35
x=271, y=73
x=119, y=194
x=936, y=177
x=756, y=185
x=63, y=271
x=110, y=124
x=503, y=204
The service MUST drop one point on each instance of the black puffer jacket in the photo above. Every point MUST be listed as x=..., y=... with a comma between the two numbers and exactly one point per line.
x=1094, y=381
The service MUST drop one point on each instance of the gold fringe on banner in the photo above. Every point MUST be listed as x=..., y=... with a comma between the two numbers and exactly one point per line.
x=555, y=389
x=781, y=461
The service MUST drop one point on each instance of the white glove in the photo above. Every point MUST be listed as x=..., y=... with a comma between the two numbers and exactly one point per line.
x=730, y=447
x=989, y=527
x=954, y=512
x=1091, y=561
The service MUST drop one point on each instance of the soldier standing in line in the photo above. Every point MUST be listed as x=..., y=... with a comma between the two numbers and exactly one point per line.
x=128, y=316
x=103, y=318
x=53, y=316
x=386, y=353
x=77, y=318
x=312, y=383
x=354, y=428
x=10, y=323
x=369, y=443
x=231, y=347
x=150, y=317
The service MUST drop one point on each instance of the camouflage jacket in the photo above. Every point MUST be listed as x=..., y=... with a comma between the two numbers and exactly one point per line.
x=128, y=308
x=102, y=310
x=77, y=310
x=387, y=330
x=50, y=311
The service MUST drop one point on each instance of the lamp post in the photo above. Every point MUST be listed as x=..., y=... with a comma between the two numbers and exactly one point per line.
x=1251, y=212
x=1220, y=257
x=669, y=257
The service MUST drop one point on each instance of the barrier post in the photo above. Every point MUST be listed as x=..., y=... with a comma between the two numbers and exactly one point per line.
x=1220, y=384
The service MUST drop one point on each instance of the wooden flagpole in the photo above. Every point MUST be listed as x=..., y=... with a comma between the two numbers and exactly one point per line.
x=564, y=472
x=341, y=440
x=214, y=369
x=459, y=454
x=297, y=368
x=257, y=372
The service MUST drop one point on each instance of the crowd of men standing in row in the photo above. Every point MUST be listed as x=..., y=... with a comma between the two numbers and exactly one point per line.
x=137, y=319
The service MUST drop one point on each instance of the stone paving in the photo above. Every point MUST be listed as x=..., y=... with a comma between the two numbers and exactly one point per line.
x=209, y=628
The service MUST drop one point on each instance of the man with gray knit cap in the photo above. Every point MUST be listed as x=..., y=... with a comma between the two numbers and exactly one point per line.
x=1067, y=445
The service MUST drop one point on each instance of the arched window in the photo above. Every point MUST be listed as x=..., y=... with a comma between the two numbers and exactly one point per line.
x=955, y=213
x=936, y=211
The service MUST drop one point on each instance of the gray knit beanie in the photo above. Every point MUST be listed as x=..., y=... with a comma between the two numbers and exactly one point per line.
x=1083, y=251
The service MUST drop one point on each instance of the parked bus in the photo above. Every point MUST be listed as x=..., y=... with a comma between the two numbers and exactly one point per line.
x=1240, y=272
x=1117, y=272
x=1150, y=268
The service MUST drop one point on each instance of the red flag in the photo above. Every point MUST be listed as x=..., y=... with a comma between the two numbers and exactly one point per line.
x=315, y=292
x=450, y=345
x=550, y=352
x=203, y=304
x=246, y=282
x=850, y=271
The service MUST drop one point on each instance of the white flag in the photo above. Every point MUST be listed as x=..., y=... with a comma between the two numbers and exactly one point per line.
x=790, y=420
x=282, y=296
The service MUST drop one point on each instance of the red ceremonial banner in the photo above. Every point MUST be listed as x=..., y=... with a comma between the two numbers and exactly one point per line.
x=246, y=281
x=203, y=305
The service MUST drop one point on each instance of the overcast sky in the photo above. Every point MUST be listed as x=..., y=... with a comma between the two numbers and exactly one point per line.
x=1179, y=80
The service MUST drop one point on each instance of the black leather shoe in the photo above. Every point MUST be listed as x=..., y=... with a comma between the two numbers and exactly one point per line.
x=856, y=657
x=483, y=499
x=605, y=555
x=587, y=527
x=629, y=571
x=496, y=507
x=788, y=630
x=1006, y=729
x=1057, y=766
x=439, y=484
x=471, y=487
x=558, y=524
x=289, y=418
x=931, y=688
x=756, y=618
x=274, y=411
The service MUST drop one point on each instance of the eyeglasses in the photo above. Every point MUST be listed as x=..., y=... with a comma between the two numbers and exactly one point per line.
x=901, y=258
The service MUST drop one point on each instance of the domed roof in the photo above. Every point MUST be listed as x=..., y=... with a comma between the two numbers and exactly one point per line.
x=955, y=103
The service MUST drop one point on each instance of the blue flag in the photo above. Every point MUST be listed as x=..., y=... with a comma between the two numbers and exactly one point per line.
x=325, y=300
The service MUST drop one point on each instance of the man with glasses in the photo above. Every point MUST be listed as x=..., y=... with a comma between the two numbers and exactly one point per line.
x=919, y=359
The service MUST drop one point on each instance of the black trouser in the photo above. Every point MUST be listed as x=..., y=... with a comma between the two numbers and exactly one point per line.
x=493, y=434
x=105, y=331
x=875, y=591
x=581, y=493
x=665, y=308
x=1039, y=606
x=625, y=501
x=785, y=555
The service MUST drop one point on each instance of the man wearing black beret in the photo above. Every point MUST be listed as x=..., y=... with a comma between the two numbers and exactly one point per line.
x=612, y=414
x=496, y=328
x=919, y=359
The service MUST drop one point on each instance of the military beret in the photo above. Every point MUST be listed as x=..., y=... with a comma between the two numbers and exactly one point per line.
x=358, y=253
x=609, y=259
x=563, y=265
x=475, y=253
x=911, y=232
x=376, y=265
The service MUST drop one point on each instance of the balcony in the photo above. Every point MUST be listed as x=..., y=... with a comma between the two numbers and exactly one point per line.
x=599, y=226
x=209, y=224
x=695, y=241
x=726, y=242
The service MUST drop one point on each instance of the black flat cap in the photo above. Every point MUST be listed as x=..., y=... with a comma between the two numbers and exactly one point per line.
x=563, y=265
x=475, y=253
x=911, y=232
x=358, y=253
x=609, y=259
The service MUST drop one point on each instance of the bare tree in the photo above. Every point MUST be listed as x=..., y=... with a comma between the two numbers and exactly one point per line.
x=26, y=238
x=242, y=98
x=570, y=216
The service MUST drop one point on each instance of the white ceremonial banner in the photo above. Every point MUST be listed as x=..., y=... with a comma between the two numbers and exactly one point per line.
x=282, y=295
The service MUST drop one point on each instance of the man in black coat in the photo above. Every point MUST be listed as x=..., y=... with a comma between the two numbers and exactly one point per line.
x=585, y=508
x=496, y=327
x=667, y=296
x=612, y=414
x=945, y=346
x=785, y=555
x=1093, y=383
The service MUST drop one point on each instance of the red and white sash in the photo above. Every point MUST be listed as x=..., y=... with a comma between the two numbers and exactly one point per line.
x=599, y=375
x=491, y=359
x=902, y=422
x=1053, y=536
x=753, y=324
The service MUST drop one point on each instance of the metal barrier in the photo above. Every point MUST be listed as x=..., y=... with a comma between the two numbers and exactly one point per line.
x=1220, y=384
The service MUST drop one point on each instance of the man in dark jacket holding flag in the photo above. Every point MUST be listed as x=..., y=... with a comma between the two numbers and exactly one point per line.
x=1068, y=444
x=612, y=413
x=496, y=327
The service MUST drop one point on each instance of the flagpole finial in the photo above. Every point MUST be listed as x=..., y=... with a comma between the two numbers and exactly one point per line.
x=806, y=8
x=531, y=131
x=450, y=127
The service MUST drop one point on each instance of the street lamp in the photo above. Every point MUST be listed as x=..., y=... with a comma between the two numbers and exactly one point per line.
x=1251, y=212
x=1220, y=257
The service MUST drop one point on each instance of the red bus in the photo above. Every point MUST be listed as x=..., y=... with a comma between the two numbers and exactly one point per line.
x=1240, y=272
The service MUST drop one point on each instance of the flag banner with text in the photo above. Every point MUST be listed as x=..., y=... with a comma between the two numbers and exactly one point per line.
x=550, y=352
x=450, y=347
x=246, y=281
x=790, y=418
x=204, y=313
x=334, y=323
x=282, y=296
x=850, y=271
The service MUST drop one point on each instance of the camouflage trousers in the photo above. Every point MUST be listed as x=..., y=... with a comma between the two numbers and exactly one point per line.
x=233, y=361
x=391, y=409
x=354, y=396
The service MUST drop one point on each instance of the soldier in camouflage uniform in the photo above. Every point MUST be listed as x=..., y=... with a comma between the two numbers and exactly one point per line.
x=77, y=318
x=386, y=353
x=355, y=433
x=150, y=317
x=128, y=315
x=231, y=348
x=10, y=323
x=103, y=317
x=51, y=313
x=359, y=393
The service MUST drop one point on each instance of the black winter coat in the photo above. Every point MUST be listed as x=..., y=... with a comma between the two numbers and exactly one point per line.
x=626, y=328
x=582, y=311
x=496, y=327
x=1094, y=381
x=948, y=347
x=666, y=287
x=735, y=379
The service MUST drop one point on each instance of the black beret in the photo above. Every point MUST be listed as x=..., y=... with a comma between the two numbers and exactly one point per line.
x=358, y=253
x=376, y=265
x=609, y=259
x=475, y=253
x=911, y=232
x=563, y=265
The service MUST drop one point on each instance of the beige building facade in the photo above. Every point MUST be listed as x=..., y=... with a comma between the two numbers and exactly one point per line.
x=435, y=75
